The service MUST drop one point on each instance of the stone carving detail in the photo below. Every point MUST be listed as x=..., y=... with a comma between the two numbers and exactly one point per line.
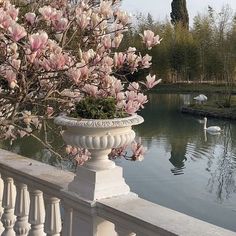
x=22, y=210
x=8, y=203
x=117, y=122
x=106, y=141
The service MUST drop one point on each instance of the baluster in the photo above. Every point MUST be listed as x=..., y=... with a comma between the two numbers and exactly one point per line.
x=67, y=220
x=121, y=231
x=1, y=209
x=53, y=217
x=90, y=224
x=8, y=203
x=36, y=213
x=22, y=210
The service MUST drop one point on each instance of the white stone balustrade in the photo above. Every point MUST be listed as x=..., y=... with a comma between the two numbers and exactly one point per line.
x=35, y=201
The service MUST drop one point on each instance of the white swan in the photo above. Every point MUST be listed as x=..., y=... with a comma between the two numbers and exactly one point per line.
x=201, y=98
x=211, y=129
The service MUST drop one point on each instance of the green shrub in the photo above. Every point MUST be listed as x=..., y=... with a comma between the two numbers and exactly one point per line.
x=98, y=108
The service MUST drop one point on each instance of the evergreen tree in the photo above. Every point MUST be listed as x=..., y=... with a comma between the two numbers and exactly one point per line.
x=179, y=13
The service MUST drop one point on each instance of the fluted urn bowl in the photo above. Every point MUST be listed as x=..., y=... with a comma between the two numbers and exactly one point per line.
x=99, y=136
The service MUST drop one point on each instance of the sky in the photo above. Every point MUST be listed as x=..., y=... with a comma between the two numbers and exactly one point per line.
x=160, y=9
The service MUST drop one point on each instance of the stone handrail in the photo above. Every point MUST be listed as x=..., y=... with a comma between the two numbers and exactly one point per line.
x=35, y=201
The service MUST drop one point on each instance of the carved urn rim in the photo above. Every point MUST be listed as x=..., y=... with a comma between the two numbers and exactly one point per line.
x=64, y=120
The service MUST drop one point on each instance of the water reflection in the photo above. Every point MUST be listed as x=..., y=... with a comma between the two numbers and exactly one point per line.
x=185, y=169
x=186, y=142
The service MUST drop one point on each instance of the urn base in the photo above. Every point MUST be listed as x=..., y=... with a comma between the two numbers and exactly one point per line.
x=94, y=185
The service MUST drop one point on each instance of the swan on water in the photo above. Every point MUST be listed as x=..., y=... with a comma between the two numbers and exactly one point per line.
x=201, y=98
x=211, y=129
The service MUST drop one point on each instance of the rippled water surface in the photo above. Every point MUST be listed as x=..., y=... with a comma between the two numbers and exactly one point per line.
x=184, y=169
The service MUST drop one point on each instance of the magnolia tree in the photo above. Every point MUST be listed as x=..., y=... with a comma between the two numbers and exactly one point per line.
x=55, y=53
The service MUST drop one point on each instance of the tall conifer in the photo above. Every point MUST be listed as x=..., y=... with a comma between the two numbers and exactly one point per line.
x=179, y=13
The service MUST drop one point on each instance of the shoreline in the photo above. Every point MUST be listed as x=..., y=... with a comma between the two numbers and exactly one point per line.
x=194, y=88
x=228, y=113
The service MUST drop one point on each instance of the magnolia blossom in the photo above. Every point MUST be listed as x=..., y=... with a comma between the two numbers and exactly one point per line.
x=30, y=17
x=92, y=90
x=123, y=17
x=119, y=59
x=132, y=107
x=146, y=61
x=38, y=41
x=57, y=54
x=60, y=24
x=105, y=8
x=149, y=39
x=138, y=151
x=83, y=20
x=133, y=86
x=17, y=31
x=50, y=13
x=151, y=81
x=5, y=20
x=12, y=12
x=117, y=40
x=11, y=78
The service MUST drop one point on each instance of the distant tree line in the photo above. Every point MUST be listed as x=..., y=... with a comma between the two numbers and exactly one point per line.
x=205, y=52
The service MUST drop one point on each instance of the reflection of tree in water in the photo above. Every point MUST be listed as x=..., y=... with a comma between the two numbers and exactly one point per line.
x=222, y=180
x=178, y=158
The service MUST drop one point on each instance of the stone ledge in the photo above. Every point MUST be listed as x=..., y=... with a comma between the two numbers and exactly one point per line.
x=33, y=172
x=152, y=219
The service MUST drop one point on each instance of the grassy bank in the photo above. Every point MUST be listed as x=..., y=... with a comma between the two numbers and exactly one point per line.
x=190, y=88
x=211, y=110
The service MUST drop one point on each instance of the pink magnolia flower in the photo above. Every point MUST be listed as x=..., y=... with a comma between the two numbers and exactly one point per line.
x=105, y=8
x=149, y=39
x=49, y=13
x=83, y=20
x=146, y=61
x=131, y=107
x=134, y=86
x=142, y=99
x=117, y=40
x=16, y=64
x=123, y=17
x=30, y=17
x=11, y=79
x=38, y=41
x=106, y=42
x=75, y=74
x=131, y=95
x=91, y=90
x=12, y=12
x=82, y=156
x=120, y=96
x=17, y=32
x=117, y=85
x=60, y=25
x=119, y=59
x=95, y=19
x=138, y=151
x=57, y=61
x=151, y=81
x=5, y=20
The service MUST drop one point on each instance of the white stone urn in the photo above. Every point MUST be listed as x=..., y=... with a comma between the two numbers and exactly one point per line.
x=99, y=177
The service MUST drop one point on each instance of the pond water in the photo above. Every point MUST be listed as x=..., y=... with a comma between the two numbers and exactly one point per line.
x=184, y=169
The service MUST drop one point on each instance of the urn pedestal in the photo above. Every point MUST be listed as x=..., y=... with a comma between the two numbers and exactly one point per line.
x=99, y=177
